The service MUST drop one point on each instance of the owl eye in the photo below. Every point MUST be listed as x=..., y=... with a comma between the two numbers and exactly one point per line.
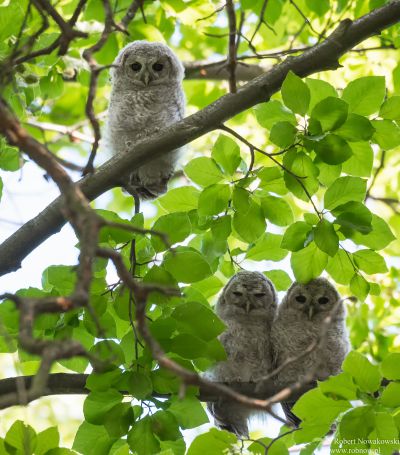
x=158, y=66
x=136, y=66
x=259, y=294
x=239, y=294
x=301, y=298
x=323, y=300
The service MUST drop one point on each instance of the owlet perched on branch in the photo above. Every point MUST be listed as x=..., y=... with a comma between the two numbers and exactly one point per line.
x=301, y=321
x=247, y=306
x=146, y=96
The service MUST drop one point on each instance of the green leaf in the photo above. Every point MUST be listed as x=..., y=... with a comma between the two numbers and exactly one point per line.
x=198, y=320
x=46, y=440
x=391, y=395
x=141, y=439
x=387, y=134
x=390, y=366
x=326, y=238
x=184, y=198
x=359, y=286
x=279, y=278
x=370, y=262
x=332, y=149
x=59, y=278
x=278, y=447
x=98, y=404
x=165, y=426
x=175, y=225
x=319, y=90
x=317, y=413
x=379, y=237
x=268, y=248
x=353, y=215
x=308, y=263
x=214, y=199
x=187, y=265
x=9, y=157
x=345, y=189
x=203, y=171
x=268, y=114
x=277, y=210
x=301, y=165
x=365, y=95
x=390, y=109
x=340, y=267
x=119, y=419
x=356, y=128
x=357, y=423
x=384, y=437
x=250, y=224
x=295, y=236
x=92, y=440
x=360, y=163
x=22, y=438
x=319, y=7
x=283, y=134
x=226, y=153
x=331, y=113
x=272, y=180
x=215, y=441
x=366, y=375
x=188, y=346
x=139, y=385
x=341, y=386
x=295, y=94
x=188, y=411
x=52, y=85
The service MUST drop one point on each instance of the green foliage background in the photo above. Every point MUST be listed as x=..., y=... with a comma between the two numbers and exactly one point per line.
x=336, y=136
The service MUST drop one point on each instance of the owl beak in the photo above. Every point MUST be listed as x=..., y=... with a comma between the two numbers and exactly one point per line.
x=146, y=78
x=248, y=306
x=311, y=311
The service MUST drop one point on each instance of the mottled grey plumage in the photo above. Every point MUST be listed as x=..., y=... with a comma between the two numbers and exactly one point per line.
x=247, y=305
x=298, y=323
x=146, y=96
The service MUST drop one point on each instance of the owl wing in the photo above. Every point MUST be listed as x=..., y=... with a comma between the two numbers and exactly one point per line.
x=230, y=416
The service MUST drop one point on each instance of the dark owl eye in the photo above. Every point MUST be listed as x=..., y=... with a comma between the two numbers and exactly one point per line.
x=301, y=298
x=239, y=294
x=259, y=294
x=323, y=300
x=158, y=66
x=136, y=66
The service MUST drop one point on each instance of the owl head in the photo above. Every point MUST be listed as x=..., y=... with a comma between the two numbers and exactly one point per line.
x=142, y=65
x=248, y=294
x=318, y=296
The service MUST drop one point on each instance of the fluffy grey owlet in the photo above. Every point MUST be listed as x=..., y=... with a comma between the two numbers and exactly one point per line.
x=298, y=323
x=146, y=96
x=247, y=306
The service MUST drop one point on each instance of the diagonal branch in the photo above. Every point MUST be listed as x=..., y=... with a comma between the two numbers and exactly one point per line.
x=323, y=56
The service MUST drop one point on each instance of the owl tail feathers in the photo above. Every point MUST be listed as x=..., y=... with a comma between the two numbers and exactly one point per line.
x=290, y=417
x=231, y=417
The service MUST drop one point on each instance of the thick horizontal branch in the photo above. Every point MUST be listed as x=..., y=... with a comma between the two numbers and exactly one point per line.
x=323, y=56
x=220, y=71
x=75, y=384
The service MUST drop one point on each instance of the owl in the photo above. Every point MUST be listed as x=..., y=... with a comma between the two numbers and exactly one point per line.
x=247, y=306
x=146, y=96
x=299, y=321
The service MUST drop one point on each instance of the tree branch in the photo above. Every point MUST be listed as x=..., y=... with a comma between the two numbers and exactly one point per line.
x=323, y=56
x=75, y=384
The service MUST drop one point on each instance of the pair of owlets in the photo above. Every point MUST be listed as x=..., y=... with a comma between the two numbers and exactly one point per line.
x=260, y=336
